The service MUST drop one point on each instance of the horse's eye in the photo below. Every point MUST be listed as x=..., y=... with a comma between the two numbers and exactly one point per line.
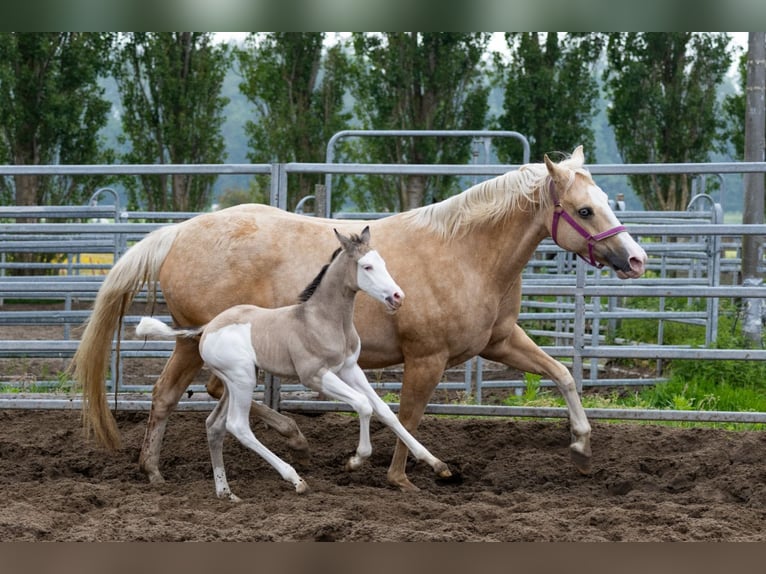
x=585, y=212
x=367, y=267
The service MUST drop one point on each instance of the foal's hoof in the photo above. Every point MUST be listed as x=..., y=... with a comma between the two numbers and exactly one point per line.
x=155, y=477
x=581, y=459
x=301, y=486
x=354, y=463
x=442, y=470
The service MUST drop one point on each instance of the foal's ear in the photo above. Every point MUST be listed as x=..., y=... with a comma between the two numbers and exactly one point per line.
x=345, y=242
x=365, y=236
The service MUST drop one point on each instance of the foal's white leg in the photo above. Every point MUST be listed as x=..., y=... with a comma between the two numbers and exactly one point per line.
x=356, y=378
x=332, y=386
x=240, y=394
x=229, y=354
x=216, y=432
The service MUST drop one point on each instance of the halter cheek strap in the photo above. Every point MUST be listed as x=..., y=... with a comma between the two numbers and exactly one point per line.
x=559, y=213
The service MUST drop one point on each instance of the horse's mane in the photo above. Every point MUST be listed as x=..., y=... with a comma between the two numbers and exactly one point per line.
x=312, y=287
x=488, y=201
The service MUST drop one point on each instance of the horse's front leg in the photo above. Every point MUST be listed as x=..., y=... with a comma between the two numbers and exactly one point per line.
x=421, y=375
x=356, y=378
x=520, y=352
x=177, y=375
x=331, y=385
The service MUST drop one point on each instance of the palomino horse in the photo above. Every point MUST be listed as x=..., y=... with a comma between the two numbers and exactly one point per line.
x=314, y=340
x=459, y=260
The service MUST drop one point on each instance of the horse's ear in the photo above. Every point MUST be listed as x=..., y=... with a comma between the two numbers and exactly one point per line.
x=365, y=236
x=557, y=173
x=578, y=156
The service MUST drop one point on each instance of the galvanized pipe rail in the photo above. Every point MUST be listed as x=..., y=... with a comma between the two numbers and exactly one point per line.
x=279, y=173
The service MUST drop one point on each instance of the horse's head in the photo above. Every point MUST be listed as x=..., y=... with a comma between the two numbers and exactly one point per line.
x=582, y=221
x=371, y=275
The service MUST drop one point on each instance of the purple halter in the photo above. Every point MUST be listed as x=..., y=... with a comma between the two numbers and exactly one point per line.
x=558, y=213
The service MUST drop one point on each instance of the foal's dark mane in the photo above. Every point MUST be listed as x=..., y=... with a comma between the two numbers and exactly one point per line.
x=312, y=287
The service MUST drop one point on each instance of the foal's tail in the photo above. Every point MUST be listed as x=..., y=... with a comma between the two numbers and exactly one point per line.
x=152, y=327
x=138, y=267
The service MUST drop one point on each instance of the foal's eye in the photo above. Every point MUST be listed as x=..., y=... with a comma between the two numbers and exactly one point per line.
x=367, y=267
x=585, y=212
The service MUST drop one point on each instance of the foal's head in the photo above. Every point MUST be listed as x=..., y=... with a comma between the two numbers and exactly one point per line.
x=367, y=270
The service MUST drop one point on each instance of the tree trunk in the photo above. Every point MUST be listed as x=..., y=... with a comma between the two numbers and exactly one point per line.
x=755, y=145
x=415, y=192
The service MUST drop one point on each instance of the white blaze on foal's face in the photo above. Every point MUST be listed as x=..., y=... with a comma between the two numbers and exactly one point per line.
x=373, y=278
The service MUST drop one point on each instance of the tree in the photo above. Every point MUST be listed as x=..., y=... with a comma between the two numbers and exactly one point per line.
x=297, y=86
x=550, y=93
x=170, y=86
x=664, y=108
x=416, y=81
x=51, y=109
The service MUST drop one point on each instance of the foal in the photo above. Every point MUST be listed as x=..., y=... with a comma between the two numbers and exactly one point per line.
x=315, y=340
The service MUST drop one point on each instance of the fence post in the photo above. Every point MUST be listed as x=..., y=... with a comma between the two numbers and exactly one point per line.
x=320, y=200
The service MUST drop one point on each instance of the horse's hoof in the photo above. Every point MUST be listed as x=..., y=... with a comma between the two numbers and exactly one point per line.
x=403, y=484
x=234, y=498
x=301, y=486
x=301, y=456
x=581, y=460
x=300, y=447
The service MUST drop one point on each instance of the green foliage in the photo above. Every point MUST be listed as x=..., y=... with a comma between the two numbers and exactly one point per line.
x=170, y=84
x=663, y=105
x=734, y=111
x=297, y=86
x=51, y=109
x=550, y=93
x=236, y=196
x=415, y=81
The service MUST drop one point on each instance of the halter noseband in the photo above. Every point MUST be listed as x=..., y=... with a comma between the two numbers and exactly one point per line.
x=558, y=213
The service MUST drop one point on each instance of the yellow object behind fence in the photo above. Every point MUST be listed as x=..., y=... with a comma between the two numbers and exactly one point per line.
x=87, y=259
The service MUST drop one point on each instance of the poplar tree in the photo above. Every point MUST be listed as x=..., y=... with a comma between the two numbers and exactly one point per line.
x=51, y=110
x=663, y=89
x=297, y=85
x=550, y=93
x=416, y=81
x=170, y=87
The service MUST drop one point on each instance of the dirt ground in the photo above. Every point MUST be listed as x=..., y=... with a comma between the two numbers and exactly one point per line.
x=514, y=482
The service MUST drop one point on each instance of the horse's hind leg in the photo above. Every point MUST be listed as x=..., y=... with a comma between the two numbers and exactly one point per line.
x=284, y=425
x=519, y=351
x=179, y=371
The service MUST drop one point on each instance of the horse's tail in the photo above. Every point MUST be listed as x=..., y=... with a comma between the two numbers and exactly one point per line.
x=152, y=327
x=138, y=267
